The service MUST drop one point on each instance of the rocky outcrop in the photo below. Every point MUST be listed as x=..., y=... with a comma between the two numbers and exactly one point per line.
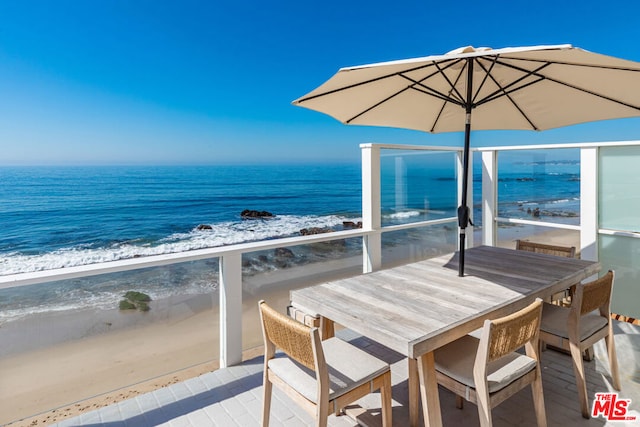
x=135, y=300
x=204, y=227
x=314, y=230
x=251, y=214
x=537, y=213
x=283, y=253
x=350, y=225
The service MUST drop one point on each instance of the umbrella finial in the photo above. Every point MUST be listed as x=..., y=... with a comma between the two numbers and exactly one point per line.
x=468, y=49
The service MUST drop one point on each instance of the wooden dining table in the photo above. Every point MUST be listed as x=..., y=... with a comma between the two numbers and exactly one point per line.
x=418, y=307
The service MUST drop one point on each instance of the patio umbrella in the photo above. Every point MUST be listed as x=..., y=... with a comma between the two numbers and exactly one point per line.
x=536, y=88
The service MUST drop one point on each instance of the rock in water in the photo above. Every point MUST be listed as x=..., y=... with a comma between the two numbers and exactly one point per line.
x=248, y=213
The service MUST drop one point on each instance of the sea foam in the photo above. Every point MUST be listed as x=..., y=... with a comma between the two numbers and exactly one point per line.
x=220, y=234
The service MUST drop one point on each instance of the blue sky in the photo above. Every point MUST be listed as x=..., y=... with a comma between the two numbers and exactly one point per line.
x=157, y=82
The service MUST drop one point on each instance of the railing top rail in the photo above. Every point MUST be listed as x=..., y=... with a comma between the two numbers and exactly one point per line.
x=410, y=147
x=559, y=146
x=503, y=147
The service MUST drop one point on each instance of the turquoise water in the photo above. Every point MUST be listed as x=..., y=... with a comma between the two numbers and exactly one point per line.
x=55, y=217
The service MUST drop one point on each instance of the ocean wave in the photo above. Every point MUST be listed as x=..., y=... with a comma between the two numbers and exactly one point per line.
x=403, y=215
x=219, y=234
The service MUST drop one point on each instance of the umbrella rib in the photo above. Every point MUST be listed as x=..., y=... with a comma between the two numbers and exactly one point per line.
x=452, y=85
x=515, y=104
x=486, y=76
x=502, y=91
x=376, y=105
x=589, y=92
x=453, y=88
x=505, y=91
x=431, y=91
x=427, y=90
x=604, y=67
x=421, y=88
x=398, y=73
x=560, y=82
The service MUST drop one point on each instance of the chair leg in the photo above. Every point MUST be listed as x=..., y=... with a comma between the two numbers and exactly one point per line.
x=385, y=396
x=538, y=400
x=322, y=414
x=613, y=360
x=266, y=401
x=542, y=346
x=483, y=400
x=581, y=384
x=588, y=354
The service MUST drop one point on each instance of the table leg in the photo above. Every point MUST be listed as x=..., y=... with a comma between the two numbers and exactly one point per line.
x=327, y=329
x=414, y=393
x=429, y=391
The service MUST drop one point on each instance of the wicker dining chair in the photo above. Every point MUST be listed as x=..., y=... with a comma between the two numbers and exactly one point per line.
x=321, y=376
x=563, y=297
x=543, y=248
x=488, y=370
x=578, y=327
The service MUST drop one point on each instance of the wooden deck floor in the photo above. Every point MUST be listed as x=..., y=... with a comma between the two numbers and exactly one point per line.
x=233, y=396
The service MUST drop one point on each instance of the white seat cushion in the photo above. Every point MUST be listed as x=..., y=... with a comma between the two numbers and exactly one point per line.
x=555, y=318
x=456, y=360
x=348, y=368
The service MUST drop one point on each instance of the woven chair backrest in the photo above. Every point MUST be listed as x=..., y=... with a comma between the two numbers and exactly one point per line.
x=511, y=332
x=541, y=248
x=289, y=335
x=596, y=294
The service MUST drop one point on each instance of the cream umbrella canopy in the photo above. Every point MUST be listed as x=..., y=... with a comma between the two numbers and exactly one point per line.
x=535, y=88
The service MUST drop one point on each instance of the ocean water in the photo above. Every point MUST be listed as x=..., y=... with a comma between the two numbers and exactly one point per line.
x=57, y=217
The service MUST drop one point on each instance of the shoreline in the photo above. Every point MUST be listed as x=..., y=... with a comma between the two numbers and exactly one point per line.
x=140, y=354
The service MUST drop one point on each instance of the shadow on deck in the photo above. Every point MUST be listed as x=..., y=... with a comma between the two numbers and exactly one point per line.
x=233, y=396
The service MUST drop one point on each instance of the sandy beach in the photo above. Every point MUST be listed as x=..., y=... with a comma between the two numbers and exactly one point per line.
x=178, y=340
x=138, y=352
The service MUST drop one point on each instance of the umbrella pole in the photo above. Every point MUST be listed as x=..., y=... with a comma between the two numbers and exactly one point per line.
x=463, y=210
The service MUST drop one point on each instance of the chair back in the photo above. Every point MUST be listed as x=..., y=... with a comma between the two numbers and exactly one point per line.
x=595, y=295
x=509, y=333
x=541, y=248
x=289, y=335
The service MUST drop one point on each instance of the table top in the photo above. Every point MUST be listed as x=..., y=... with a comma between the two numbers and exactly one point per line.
x=418, y=307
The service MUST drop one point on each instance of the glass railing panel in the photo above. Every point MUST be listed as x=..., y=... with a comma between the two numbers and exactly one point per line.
x=619, y=190
x=269, y=275
x=508, y=233
x=70, y=340
x=540, y=185
x=415, y=244
x=622, y=254
x=417, y=186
